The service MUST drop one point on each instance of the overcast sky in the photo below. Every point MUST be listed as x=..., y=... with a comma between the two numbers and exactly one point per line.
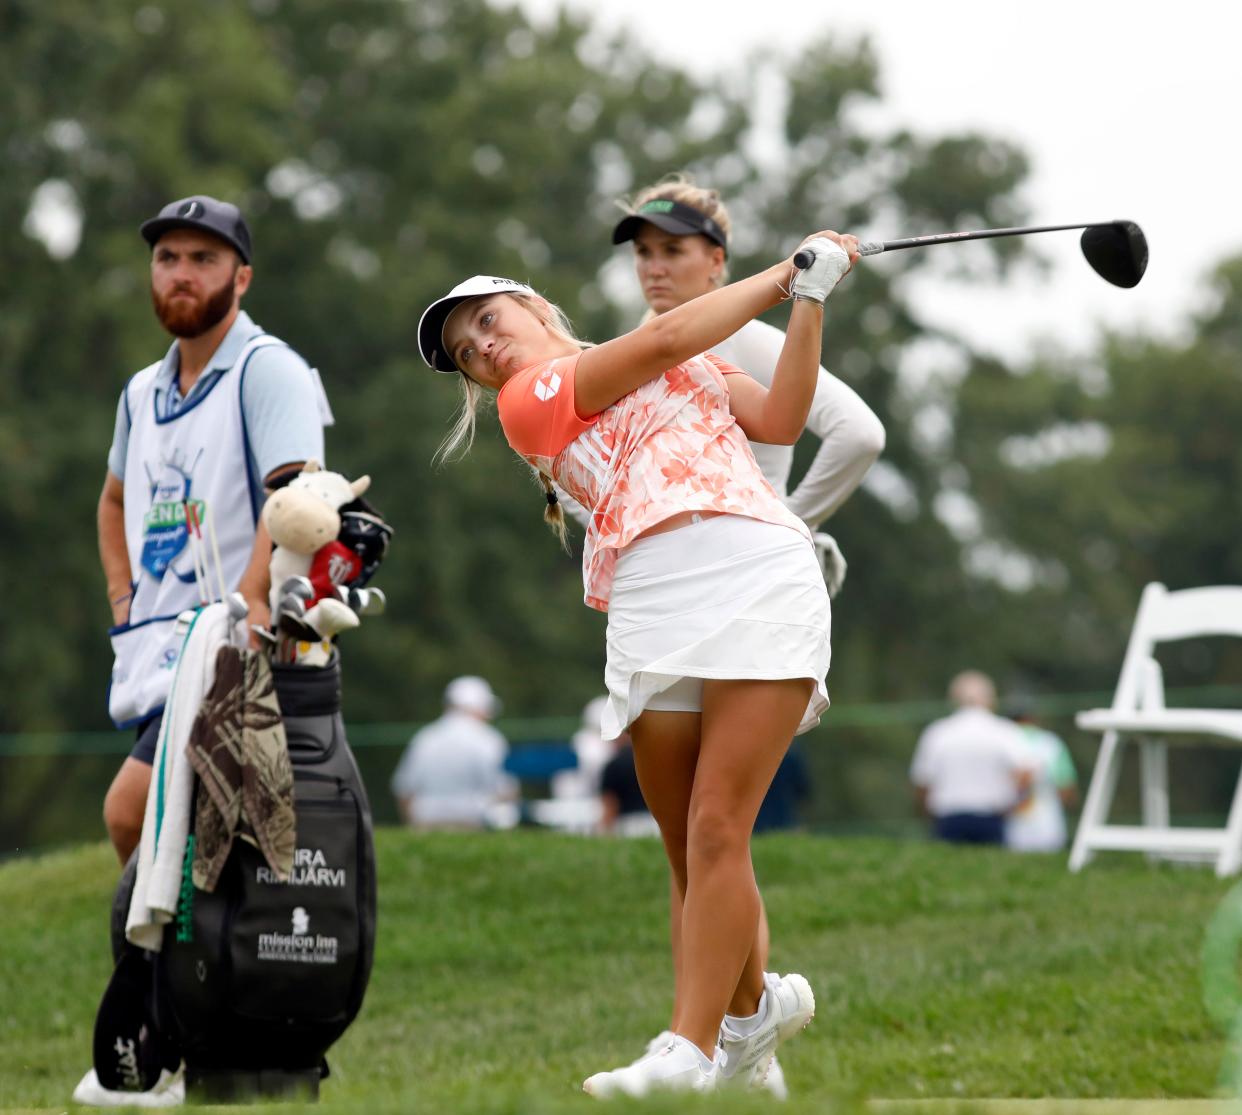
x=1126, y=110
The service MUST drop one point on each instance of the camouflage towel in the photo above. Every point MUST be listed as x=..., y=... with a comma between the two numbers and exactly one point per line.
x=245, y=781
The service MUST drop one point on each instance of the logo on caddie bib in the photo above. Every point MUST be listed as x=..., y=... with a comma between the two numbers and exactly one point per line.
x=164, y=533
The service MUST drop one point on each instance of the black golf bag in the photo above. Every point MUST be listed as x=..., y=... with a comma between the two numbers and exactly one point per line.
x=257, y=979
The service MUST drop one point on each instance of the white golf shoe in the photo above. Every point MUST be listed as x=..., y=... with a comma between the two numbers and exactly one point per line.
x=169, y=1091
x=773, y=1081
x=656, y=1044
x=677, y=1066
x=786, y=1007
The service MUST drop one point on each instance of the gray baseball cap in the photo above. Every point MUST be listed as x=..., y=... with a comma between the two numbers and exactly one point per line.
x=202, y=212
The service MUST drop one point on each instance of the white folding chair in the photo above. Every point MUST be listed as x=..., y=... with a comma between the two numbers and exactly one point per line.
x=1139, y=712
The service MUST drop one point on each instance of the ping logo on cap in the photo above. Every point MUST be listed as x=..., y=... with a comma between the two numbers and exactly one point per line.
x=659, y=205
x=191, y=209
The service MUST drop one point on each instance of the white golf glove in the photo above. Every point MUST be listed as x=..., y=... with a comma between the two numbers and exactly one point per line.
x=831, y=561
x=815, y=283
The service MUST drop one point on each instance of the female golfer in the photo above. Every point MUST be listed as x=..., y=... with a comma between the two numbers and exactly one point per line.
x=718, y=618
x=680, y=232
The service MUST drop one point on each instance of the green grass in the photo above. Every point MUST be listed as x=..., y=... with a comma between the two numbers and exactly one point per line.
x=511, y=966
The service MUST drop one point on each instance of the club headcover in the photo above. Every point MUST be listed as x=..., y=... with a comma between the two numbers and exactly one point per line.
x=364, y=531
x=128, y=1050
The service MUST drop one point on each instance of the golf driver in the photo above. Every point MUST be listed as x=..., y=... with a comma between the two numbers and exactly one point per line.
x=1116, y=250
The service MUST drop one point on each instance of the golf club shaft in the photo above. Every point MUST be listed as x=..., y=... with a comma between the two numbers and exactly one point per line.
x=875, y=247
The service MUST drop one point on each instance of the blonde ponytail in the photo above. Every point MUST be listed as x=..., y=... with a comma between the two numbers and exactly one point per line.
x=554, y=513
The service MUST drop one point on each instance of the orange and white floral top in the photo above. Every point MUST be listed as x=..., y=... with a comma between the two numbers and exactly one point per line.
x=669, y=446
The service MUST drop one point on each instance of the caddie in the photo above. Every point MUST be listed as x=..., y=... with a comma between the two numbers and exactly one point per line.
x=228, y=414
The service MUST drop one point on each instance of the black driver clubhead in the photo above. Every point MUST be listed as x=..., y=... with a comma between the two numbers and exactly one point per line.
x=1117, y=251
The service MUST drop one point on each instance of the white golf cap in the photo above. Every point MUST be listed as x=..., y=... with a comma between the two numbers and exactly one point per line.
x=472, y=694
x=431, y=324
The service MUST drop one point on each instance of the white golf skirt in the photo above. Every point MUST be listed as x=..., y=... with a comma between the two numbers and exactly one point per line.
x=726, y=597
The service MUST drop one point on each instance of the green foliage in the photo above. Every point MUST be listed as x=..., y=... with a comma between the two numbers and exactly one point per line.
x=126, y=107
x=509, y=967
x=1102, y=478
x=382, y=151
x=897, y=633
x=386, y=149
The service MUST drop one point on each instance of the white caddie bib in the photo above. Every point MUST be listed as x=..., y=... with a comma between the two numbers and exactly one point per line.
x=197, y=457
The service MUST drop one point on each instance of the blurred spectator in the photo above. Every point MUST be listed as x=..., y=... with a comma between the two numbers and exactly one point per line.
x=452, y=773
x=1038, y=824
x=971, y=768
x=791, y=785
x=591, y=750
x=624, y=809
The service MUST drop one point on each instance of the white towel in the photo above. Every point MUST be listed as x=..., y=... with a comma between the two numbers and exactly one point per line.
x=166, y=823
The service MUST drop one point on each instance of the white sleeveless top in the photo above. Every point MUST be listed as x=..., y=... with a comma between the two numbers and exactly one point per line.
x=196, y=455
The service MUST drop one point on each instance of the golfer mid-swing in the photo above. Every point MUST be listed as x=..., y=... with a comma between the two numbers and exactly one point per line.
x=718, y=618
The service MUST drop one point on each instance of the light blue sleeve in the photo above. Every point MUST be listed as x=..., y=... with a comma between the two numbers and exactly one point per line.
x=120, y=439
x=280, y=403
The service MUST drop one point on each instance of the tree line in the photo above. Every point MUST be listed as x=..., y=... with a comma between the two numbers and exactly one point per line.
x=385, y=150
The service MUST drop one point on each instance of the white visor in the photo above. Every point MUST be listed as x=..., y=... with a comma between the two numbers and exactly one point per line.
x=431, y=324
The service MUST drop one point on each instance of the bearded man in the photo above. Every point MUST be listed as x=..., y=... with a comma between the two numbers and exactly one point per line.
x=228, y=414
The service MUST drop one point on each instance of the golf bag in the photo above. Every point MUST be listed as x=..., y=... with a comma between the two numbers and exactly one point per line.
x=258, y=978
